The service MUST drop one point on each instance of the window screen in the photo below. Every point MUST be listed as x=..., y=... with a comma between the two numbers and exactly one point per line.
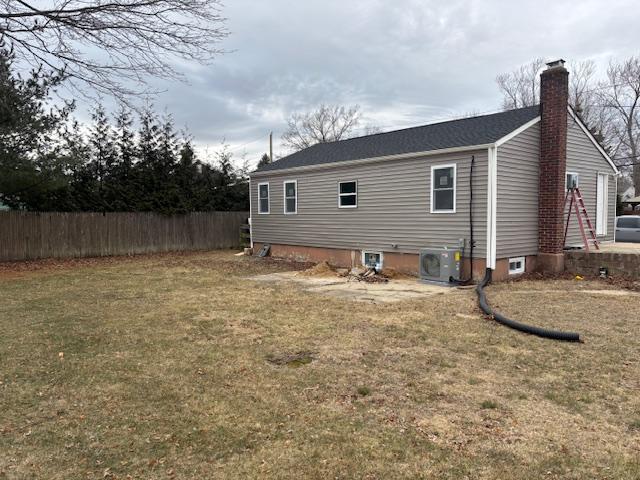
x=443, y=189
x=290, y=197
x=348, y=194
x=263, y=198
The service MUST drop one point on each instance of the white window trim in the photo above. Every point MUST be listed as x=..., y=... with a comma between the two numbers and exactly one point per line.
x=340, y=195
x=268, y=199
x=284, y=196
x=372, y=251
x=455, y=182
x=565, y=179
x=520, y=270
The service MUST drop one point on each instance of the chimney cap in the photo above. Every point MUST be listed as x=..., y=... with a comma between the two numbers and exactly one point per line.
x=556, y=63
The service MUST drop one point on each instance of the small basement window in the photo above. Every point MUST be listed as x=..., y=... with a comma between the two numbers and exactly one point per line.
x=516, y=265
x=263, y=198
x=572, y=180
x=348, y=194
x=291, y=197
x=443, y=189
x=372, y=260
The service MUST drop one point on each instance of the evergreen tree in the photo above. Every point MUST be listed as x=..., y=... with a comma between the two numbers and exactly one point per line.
x=101, y=190
x=123, y=173
x=48, y=163
x=188, y=177
x=265, y=160
x=146, y=168
x=30, y=167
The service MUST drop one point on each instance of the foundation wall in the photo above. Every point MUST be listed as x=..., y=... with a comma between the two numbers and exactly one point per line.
x=402, y=262
x=589, y=263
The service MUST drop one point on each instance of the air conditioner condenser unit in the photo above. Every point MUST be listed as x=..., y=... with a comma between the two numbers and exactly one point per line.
x=440, y=264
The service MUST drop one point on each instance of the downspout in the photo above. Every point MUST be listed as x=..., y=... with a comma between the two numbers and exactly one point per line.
x=492, y=202
x=250, y=215
x=471, y=239
x=492, y=205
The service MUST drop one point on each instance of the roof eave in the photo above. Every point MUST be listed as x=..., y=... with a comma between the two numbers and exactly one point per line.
x=384, y=158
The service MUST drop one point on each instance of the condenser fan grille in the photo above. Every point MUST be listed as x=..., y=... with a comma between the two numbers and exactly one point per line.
x=431, y=265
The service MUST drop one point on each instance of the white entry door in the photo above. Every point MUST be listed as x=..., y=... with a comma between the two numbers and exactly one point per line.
x=602, y=204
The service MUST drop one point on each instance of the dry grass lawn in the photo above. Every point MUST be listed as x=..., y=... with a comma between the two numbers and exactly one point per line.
x=163, y=367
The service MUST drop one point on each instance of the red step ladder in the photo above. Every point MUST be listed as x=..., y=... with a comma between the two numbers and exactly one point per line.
x=576, y=203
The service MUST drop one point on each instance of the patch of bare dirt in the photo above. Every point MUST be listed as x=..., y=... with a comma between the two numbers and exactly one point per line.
x=291, y=359
x=322, y=269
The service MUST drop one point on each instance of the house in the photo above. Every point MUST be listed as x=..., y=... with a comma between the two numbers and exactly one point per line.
x=628, y=193
x=498, y=178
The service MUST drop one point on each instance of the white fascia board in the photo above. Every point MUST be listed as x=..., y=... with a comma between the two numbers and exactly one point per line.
x=584, y=128
x=359, y=161
x=492, y=204
x=517, y=131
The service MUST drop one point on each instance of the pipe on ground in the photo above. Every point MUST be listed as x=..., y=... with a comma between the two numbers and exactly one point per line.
x=522, y=327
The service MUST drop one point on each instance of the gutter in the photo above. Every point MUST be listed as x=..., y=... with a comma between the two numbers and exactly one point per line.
x=359, y=161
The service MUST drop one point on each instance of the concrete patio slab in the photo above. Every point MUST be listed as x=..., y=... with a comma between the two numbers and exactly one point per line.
x=393, y=291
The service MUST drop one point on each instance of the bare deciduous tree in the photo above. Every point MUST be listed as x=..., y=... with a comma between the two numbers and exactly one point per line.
x=610, y=108
x=114, y=46
x=521, y=88
x=326, y=124
x=619, y=96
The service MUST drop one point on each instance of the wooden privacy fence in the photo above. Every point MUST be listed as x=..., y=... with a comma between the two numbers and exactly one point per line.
x=31, y=235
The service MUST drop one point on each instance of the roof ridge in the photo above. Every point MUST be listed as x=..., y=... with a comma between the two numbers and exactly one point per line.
x=429, y=124
x=466, y=131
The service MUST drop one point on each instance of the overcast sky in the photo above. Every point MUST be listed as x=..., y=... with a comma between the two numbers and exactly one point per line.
x=405, y=62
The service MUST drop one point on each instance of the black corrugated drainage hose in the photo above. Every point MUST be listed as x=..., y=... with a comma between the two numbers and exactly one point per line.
x=522, y=327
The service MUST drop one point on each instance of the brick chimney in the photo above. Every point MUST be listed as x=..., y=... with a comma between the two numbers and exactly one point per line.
x=554, y=99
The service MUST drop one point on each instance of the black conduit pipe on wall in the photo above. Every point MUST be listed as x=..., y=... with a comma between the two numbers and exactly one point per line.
x=522, y=327
x=471, y=241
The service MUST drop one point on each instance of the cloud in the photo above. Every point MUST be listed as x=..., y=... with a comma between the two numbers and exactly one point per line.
x=406, y=62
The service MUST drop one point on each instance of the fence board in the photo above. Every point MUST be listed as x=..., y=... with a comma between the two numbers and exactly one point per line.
x=32, y=235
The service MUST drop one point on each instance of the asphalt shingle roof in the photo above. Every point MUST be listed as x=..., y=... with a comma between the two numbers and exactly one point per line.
x=454, y=133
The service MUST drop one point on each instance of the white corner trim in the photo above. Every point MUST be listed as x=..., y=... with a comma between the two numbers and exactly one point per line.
x=251, y=213
x=455, y=187
x=593, y=140
x=492, y=205
x=517, y=131
x=284, y=197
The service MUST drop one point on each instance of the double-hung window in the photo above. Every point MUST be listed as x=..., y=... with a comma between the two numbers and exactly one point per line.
x=290, y=197
x=443, y=189
x=263, y=198
x=348, y=194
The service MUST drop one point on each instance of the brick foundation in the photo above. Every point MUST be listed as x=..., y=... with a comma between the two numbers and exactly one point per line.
x=402, y=262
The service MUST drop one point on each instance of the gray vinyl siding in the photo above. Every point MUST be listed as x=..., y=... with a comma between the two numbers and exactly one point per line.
x=393, y=206
x=517, y=209
x=518, y=167
x=585, y=159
